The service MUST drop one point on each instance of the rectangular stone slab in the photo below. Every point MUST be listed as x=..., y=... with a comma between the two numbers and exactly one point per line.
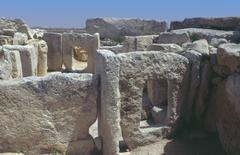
x=54, y=43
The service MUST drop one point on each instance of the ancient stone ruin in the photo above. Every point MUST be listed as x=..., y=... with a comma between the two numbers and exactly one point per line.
x=122, y=87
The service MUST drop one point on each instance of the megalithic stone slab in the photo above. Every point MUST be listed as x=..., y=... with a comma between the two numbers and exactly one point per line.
x=54, y=55
x=40, y=115
x=107, y=68
x=29, y=58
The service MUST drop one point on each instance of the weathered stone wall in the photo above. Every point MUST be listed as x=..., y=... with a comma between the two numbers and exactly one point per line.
x=225, y=23
x=53, y=113
x=18, y=39
x=116, y=29
x=129, y=74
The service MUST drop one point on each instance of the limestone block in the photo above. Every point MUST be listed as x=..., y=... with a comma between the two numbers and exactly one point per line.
x=209, y=34
x=221, y=23
x=5, y=64
x=201, y=102
x=89, y=43
x=4, y=40
x=143, y=42
x=215, y=42
x=200, y=45
x=10, y=26
x=137, y=43
x=29, y=58
x=135, y=69
x=229, y=55
x=16, y=64
x=228, y=114
x=20, y=39
x=193, y=82
x=165, y=48
x=116, y=28
x=42, y=114
x=54, y=55
x=107, y=67
x=173, y=38
x=42, y=48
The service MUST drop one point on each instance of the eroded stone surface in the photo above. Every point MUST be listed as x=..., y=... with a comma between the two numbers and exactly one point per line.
x=208, y=34
x=5, y=64
x=89, y=43
x=108, y=69
x=200, y=45
x=45, y=114
x=228, y=114
x=42, y=48
x=54, y=43
x=173, y=38
x=225, y=23
x=135, y=69
x=229, y=55
x=116, y=28
x=165, y=48
x=137, y=43
x=29, y=58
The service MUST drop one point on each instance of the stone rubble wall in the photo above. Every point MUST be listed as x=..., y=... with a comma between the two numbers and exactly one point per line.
x=27, y=50
x=225, y=23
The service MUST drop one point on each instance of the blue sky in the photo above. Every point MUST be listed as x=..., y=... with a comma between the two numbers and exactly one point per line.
x=73, y=13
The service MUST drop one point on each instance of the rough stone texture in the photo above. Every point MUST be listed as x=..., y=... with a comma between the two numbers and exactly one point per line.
x=136, y=68
x=4, y=40
x=89, y=43
x=108, y=70
x=5, y=64
x=116, y=28
x=200, y=45
x=192, y=82
x=173, y=38
x=201, y=102
x=39, y=115
x=42, y=48
x=138, y=43
x=20, y=39
x=165, y=48
x=16, y=64
x=224, y=23
x=29, y=58
x=215, y=42
x=38, y=33
x=80, y=54
x=82, y=147
x=10, y=26
x=228, y=114
x=54, y=43
x=208, y=34
x=115, y=49
x=229, y=55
